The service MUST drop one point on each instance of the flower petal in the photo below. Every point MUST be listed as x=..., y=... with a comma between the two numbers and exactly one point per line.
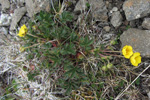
x=135, y=59
x=127, y=51
x=138, y=59
x=23, y=31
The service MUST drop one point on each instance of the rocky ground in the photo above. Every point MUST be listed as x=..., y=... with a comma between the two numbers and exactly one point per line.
x=126, y=20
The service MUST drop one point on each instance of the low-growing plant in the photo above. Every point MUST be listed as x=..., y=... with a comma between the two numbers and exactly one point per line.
x=54, y=40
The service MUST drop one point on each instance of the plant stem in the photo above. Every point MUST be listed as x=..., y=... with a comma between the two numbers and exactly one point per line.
x=112, y=51
x=36, y=36
x=40, y=43
x=32, y=45
x=113, y=55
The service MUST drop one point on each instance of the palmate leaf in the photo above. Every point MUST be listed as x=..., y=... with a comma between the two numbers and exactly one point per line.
x=66, y=16
x=68, y=49
x=85, y=42
x=62, y=32
x=73, y=37
x=70, y=85
x=56, y=60
x=71, y=73
x=40, y=16
x=69, y=88
x=44, y=16
x=74, y=72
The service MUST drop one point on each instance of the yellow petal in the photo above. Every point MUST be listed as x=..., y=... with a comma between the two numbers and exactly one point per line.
x=136, y=54
x=138, y=59
x=21, y=35
x=127, y=51
x=135, y=59
x=23, y=31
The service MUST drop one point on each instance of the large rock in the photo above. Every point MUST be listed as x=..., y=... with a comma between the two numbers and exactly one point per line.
x=116, y=19
x=99, y=10
x=135, y=9
x=5, y=4
x=18, y=13
x=138, y=39
x=35, y=6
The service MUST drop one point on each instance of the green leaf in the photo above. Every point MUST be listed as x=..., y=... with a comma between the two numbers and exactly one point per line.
x=47, y=45
x=68, y=90
x=85, y=43
x=68, y=49
x=56, y=60
x=66, y=16
x=31, y=75
x=121, y=83
x=71, y=73
x=73, y=37
x=137, y=82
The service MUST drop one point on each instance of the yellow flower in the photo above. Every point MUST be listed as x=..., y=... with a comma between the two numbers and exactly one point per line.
x=135, y=59
x=23, y=31
x=127, y=51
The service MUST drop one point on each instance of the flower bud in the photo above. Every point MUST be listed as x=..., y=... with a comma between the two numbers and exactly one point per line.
x=109, y=66
x=104, y=68
x=22, y=49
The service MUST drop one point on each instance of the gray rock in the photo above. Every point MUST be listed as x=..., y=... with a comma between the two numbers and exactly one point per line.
x=81, y=5
x=107, y=28
x=146, y=23
x=18, y=13
x=5, y=20
x=3, y=30
x=135, y=9
x=5, y=4
x=116, y=19
x=99, y=10
x=138, y=39
x=33, y=7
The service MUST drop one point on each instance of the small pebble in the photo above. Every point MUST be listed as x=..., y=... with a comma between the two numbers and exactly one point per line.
x=114, y=9
x=107, y=28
